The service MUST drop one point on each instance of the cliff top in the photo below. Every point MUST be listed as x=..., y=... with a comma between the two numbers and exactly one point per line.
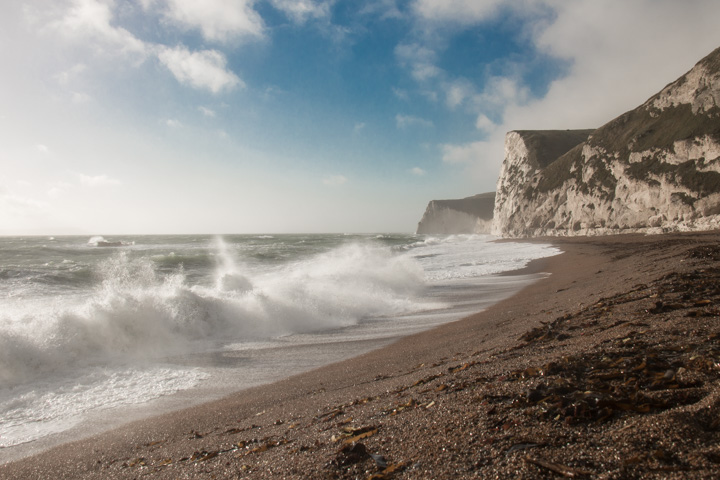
x=685, y=109
x=546, y=146
x=480, y=205
x=655, y=168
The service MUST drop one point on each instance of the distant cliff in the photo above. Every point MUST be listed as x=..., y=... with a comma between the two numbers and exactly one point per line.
x=653, y=169
x=468, y=215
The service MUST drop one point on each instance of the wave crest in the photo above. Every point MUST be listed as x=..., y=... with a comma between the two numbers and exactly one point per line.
x=137, y=313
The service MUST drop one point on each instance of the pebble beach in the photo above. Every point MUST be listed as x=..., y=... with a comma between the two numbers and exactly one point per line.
x=609, y=367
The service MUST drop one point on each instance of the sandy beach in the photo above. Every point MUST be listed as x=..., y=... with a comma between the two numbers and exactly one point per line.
x=607, y=368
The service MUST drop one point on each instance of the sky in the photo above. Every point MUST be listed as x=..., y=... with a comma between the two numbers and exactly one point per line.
x=288, y=116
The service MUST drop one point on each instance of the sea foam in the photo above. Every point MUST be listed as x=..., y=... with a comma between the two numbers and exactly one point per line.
x=99, y=328
x=135, y=313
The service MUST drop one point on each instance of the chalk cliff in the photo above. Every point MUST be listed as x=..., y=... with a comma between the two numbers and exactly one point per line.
x=468, y=215
x=653, y=169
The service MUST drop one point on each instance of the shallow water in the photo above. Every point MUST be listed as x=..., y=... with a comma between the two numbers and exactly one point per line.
x=150, y=323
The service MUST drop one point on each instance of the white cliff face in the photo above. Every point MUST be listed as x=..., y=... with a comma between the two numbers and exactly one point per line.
x=631, y=175
x=515, y=173
x=441, y=220
x=699, y=89
x=464, y=216
x=659, y=203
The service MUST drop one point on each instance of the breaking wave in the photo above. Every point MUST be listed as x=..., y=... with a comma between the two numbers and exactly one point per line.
x=84, y=329
x=136, y=313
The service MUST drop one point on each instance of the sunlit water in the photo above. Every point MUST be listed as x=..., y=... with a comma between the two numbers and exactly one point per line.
x=91, y=325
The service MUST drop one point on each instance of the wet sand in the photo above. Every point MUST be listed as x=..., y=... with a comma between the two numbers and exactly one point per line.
x=608, y=368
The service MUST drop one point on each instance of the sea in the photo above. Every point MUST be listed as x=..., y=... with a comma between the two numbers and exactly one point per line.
x=99, y=331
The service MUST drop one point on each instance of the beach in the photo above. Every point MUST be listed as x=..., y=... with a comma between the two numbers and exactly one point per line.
x=607, y=368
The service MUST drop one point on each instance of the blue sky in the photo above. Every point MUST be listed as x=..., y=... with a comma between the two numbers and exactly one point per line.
x=271, y=116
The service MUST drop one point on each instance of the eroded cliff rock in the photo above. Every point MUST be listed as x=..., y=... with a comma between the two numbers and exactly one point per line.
x=468, y=215
x=653, y=169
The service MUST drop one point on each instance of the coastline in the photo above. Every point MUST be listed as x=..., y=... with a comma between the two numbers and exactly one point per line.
x=447, y=295
x=446, y=402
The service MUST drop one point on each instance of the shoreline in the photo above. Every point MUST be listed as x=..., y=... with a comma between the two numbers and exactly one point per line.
x=264, y=363
x=446, y=402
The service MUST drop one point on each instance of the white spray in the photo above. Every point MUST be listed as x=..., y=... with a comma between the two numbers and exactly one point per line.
x=228, y=278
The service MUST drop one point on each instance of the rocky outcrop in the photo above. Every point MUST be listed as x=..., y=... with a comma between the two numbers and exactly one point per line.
x=468, y=215
x=653, y=169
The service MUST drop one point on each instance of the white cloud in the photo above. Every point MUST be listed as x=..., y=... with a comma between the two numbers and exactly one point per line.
x=58, y=188
x=55, y=192
x=92, y=19
x=334, y=180
x=423, y=55
x=499, y=92
x=406, y=121
x=418, y=171
x=97, y=180
x=218, y=20
x=206, y=111
x=21, y=205
x=484, y=124
x=430, y=95
x=457, y=11
x=20, y=213
x=386, y=9
x=359, y=127
x=70, y=74
x=173, y=123
x=206, y=69
x=457, y=92
x=425, y=71
x=42, y=148
x=401, y=93
x=621, y=54
x=466, y=153
x=80, y=97
x=420, y=59
x=93, y=22
x=300, y=11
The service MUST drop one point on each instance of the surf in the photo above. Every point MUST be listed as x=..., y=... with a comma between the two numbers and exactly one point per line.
x=136, y=323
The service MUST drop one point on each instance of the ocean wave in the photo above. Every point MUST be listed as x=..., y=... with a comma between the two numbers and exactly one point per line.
x=473, y=256
x=136, y=312
x=192, y=261
x=29, y=413
x=98, y=241
x=84, y=328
